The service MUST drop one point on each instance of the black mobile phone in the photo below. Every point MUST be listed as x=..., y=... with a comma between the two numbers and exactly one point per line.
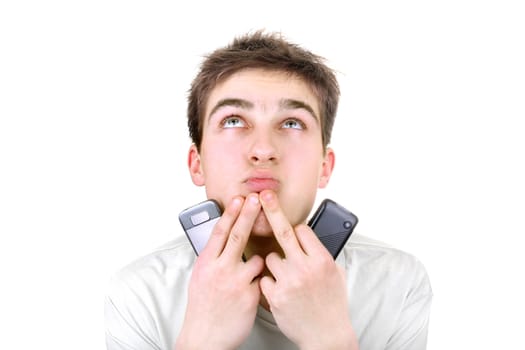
x=333, y=224
x=198, y=222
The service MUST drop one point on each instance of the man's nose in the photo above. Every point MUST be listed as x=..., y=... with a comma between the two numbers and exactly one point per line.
x=263, y=148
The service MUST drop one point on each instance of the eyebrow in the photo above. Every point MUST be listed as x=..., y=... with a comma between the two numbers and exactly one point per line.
x=296, y=104
x=284, y=104
x=233, y=102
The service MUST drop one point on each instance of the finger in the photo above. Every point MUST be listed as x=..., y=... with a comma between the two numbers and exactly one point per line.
x=254, y=267
x=267, y=285
x=309, y=241
x=274, y=263
x=282, y=230
x=242, y=227
x=222, y=228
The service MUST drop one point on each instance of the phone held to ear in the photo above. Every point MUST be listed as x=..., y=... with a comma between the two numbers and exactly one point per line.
x=332, y=223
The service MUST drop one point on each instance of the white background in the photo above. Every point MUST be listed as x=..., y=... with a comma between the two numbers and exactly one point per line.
x=429, y=141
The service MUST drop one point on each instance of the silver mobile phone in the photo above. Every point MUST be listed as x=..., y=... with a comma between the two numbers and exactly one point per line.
x=198, y=222
x=333, y=224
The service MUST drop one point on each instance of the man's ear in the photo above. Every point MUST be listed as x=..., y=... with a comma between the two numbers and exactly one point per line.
x=195, y=166
x=327, y=168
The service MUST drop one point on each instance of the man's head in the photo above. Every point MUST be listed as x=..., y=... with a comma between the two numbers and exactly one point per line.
x=260, y=115
x=269, y=52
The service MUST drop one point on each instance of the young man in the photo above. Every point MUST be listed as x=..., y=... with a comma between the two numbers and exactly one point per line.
x=260, y=116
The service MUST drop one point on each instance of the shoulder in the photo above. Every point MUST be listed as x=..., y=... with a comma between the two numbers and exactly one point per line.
x=149, y=292
x=369, y=251
x=390, y=294
x=174, y=258
x=377, y=261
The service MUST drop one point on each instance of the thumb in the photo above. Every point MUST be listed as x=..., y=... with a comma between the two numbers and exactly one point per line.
x=267, y=285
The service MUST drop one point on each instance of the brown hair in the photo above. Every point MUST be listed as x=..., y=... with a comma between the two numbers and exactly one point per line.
x=266, y=51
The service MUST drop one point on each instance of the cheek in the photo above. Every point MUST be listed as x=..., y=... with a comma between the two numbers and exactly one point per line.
x=221, y=166
x=219, y=153
x=306, y=164
x=220, y=162
x=300, y=192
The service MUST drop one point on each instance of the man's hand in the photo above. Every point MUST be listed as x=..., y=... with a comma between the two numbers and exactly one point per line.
x=307, y=294
x=224, y=291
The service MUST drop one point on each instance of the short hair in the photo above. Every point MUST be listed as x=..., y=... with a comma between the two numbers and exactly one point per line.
x=268, y=51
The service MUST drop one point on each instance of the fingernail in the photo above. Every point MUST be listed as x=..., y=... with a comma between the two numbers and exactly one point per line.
x=254, y=199
x=236, y=202
x=267, y=196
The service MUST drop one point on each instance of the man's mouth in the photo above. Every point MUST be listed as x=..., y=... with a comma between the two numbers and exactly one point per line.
x=259, y=184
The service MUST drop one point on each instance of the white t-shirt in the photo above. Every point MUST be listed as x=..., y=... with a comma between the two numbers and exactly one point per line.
x=389, y=297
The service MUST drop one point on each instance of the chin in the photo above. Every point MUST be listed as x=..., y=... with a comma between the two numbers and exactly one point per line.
x=261, y=227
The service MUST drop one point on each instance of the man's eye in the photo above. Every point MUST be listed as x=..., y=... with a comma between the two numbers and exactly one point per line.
x=293, y=124
x=233, y=122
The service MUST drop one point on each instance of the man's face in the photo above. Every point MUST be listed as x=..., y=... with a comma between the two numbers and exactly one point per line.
x=262, y=130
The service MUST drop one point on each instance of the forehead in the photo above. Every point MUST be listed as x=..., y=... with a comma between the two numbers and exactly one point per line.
x=263, y=88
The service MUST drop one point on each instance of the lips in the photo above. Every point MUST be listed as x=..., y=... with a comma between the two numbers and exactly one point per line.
x=259, y=184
